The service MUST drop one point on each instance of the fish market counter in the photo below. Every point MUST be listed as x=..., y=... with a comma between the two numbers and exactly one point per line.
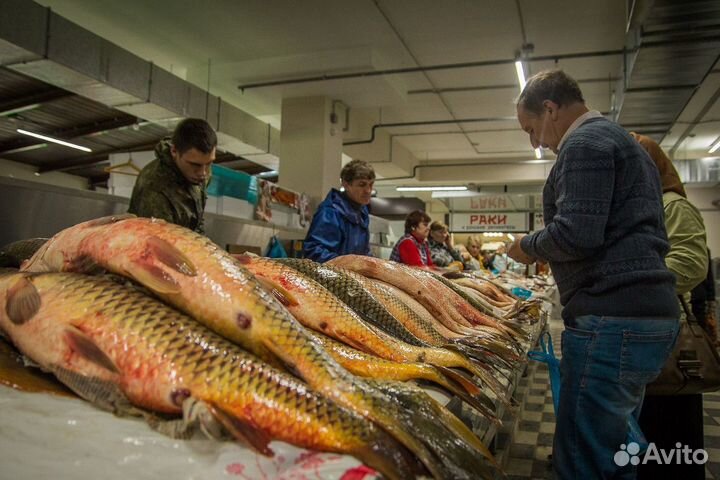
x=60, y=436
x=480, y=425
x=50, y=436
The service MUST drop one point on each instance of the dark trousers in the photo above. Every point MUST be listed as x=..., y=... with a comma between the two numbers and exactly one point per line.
x=667, y=420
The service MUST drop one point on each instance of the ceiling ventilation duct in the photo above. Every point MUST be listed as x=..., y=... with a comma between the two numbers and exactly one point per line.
x=658, y=82
x=38, y=43
x=703, y=171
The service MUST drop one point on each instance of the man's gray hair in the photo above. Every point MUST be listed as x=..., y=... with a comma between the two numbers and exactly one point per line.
x=554, y=85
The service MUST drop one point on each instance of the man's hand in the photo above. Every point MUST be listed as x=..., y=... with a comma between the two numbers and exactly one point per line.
x=517, y=254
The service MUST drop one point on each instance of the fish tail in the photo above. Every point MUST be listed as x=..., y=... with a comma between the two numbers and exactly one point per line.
x=454, y=446
x=400, y=425
x=388, y=456
x=470, y=394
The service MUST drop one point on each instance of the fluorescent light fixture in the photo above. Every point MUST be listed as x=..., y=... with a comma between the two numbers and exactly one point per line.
x=520, y=69
x=24, y=108
x=714, y=146
x=53, y=140
x=431, y=189
x=538, y=161
x=538, y=153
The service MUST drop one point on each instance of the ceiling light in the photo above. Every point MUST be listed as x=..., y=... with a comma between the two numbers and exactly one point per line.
x=269, y=173
x=538, y=161
x=520, y=69
x=538, y=153
x=53, y=140
x=431, y=189
x=24, y=108
x=714, y=146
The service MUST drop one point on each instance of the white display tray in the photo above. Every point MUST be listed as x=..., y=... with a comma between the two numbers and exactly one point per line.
x=44, y=436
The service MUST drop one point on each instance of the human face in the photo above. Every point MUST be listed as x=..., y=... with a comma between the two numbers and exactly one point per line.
x=193, y=164
x=474, y=250
x=439, y=235
x=541, y=128
x=422, y=230
x=359, y=190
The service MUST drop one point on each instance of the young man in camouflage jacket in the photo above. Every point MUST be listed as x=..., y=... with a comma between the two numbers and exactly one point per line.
x=173, y=186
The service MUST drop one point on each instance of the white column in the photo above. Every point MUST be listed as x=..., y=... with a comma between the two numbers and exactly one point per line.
x=310, y=147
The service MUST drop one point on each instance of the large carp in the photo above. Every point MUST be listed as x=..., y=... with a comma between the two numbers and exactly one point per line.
x=112, y=344
x=12, y=255
x=353, y=293
x=444, y=303
x=196, y=276
x=315, y=307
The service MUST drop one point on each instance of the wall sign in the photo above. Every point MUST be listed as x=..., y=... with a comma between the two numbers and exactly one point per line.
x=489, y=222
x=490, y=203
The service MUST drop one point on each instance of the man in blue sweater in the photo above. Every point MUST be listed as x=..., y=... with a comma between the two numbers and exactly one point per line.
x=341, y=224
x=605, y=240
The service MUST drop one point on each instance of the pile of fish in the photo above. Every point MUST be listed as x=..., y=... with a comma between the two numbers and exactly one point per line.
x=141, y=316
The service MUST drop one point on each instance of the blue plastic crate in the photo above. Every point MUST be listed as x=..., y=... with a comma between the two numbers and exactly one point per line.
x=231, y=183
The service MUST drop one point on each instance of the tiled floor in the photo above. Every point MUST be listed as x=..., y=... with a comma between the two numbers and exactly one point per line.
x=527, y=456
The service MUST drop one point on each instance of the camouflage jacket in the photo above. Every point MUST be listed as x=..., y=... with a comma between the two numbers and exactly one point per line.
x=161, y=191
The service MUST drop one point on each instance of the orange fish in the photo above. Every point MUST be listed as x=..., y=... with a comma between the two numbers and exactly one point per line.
x=115, y=346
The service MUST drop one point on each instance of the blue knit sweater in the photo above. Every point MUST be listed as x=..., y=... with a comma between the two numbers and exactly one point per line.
x=604, y=234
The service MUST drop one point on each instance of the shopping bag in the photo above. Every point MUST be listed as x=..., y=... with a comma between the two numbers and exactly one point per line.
x=276, y=250
x=694, y=364
x=547, y=355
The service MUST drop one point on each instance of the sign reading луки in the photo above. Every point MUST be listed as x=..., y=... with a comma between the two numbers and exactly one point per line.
x=489, y=222
x=490, y=203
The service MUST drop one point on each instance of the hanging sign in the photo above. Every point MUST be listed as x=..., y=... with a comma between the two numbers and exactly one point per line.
x=489, y=203
x=489, y=222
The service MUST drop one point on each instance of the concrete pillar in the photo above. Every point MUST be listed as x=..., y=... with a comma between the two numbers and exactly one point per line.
x=310, y=147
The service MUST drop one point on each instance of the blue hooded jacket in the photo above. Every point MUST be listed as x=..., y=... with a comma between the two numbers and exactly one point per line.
x=337, y=229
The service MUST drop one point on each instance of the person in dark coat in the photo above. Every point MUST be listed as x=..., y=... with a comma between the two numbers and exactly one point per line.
x=173, y=187
x=341, y=224
x=605, y=240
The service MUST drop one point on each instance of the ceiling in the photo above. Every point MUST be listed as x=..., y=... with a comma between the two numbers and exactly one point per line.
x=427, y=82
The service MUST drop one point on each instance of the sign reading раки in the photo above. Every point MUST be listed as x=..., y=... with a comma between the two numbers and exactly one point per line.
x=489, y=222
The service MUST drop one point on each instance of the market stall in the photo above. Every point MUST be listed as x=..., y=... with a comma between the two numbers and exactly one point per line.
x=473, y=372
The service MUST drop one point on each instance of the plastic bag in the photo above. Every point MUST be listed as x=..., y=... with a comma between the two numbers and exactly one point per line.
x=276, y=250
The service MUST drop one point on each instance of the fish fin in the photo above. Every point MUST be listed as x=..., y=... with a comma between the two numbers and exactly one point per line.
x=102, y=393
x=154, y=278
x=86, y=348
x=242, y=429
x=87, y=265
x=98, y=222
x=23, y=300
x=278, y=291
x=242, y=258
x=169, y=255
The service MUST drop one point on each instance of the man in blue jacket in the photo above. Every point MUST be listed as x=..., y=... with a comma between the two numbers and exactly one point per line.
x=340, y=225
x=605, y=240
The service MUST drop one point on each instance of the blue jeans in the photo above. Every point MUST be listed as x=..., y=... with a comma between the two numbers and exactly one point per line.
x=606, y=363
